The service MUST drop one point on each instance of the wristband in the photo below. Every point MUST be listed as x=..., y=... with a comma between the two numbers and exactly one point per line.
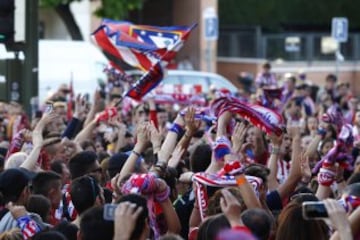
x=326, y=177
x=221, y=148
x=136, y=153
x=176, y=128
x=241, y=180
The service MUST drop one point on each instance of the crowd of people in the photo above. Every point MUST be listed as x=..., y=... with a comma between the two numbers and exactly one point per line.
x=110, y=168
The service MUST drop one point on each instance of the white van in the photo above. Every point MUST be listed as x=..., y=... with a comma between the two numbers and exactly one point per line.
x=188, y=81
x=60, y=61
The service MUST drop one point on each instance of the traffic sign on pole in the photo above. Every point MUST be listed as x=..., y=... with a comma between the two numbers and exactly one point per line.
x=340, y=29
x=211, y=28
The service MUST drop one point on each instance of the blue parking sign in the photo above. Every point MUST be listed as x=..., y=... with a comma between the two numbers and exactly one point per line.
x=211, y=28
x=339, y=29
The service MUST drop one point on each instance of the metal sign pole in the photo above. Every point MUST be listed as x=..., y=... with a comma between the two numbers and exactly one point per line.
x=211, y=33
x=339, y=31
x=208, y=56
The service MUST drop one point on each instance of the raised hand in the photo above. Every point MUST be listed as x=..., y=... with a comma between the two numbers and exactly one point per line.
x=126, y=215
x=155, y=137
x=231, y=207
x=143, y=134
x=305, y=169
x=238, y=136
x=275, y=140
x=80, y=107
x=338, y=218
x=192, y=125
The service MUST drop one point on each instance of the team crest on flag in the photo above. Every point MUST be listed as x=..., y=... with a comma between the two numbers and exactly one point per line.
x=147, y=48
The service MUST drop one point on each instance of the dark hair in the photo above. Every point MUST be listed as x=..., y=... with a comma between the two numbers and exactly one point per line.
x=212, y=226
x=56, y=166
x=108, y=195
x=214, y=201
x=10, y=191
x=331, y=77
x=87, y=143
x=144, y=215
x=116, y=163
x=258, y=221
x=68, y=229
x=258, y=170
x=267, y=65
x=331, y=128
x=326, y=140
x=2, y=161
x=201, y=157
x=46, y=235
x=80, y=164
x=291, y=225
x=94, y=227
x=44, y=181
x=84, y=191
x=303, y=194
x=170, y=179
x=39, y=204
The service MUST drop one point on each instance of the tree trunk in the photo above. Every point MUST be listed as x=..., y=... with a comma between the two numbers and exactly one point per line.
x=68, y=18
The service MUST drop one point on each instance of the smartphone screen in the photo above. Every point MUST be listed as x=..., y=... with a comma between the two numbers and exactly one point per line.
x=49, y=108
x=109, y=212
x=314, y=210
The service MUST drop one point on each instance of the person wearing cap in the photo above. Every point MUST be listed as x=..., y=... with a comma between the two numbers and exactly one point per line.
x=14, y=188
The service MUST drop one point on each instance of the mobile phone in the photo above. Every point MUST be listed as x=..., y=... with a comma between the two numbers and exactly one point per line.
x=109, y=211
x=314, y=210
x=49, y=107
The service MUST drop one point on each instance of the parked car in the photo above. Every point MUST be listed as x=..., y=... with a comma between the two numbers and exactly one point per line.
x=190, y=82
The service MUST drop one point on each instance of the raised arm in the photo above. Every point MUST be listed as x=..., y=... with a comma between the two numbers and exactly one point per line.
x=354, y=220
x=273, y=161
x=162, y=197
x=143, y=137
x=95, y=108
x=31, y=160
x=295, y=170
x=170, y=141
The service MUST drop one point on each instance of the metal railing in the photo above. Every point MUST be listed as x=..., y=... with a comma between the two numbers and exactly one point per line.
x=286, y=46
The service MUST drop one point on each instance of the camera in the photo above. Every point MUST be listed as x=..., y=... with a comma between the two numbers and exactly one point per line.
x=314, y=210
x=49, y=108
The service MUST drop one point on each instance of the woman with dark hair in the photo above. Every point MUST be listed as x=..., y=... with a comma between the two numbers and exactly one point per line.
x=291, y=225
x=212, y=226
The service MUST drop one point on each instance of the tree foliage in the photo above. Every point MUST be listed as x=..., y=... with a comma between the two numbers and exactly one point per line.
x=114, y=9
x=288, y=15
x=118, y=9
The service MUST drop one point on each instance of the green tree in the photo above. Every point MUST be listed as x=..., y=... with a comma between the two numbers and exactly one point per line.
x=114, y=9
